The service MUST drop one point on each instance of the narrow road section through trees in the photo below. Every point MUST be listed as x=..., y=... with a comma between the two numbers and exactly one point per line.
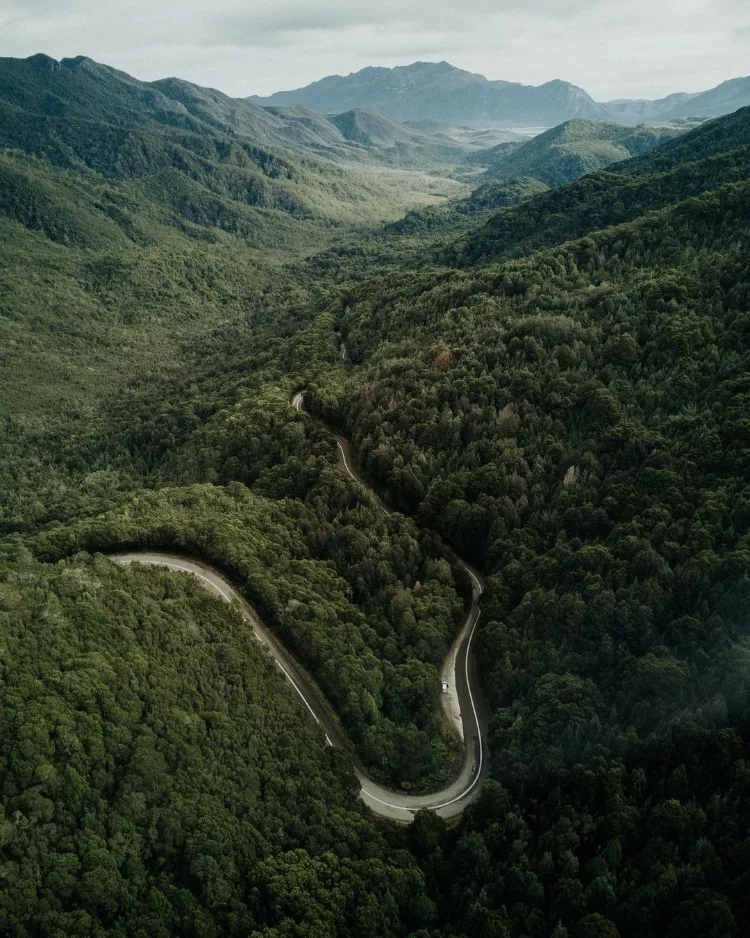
x=461, y=702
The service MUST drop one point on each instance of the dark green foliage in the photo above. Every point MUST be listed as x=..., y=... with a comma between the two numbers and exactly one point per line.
x=575, y=420
x=156, y=777
x=450, y=219
x=713, y=139
x=491, y=196
x=701, y=161
x=361, y=603
x=27, y=197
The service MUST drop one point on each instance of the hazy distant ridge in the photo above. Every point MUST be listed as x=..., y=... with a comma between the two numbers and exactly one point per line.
x=438, y=91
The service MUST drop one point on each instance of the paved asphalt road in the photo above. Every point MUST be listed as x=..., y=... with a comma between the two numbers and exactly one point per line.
x=464, y=712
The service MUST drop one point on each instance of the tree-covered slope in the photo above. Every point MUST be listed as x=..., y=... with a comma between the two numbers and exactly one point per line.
x=156, y=777
x=80, y=89
x=209, y=179
x=496, y=194
x=364, y=136
x=574, y=148
x=704, y=159
x=124, y=248
x=575, y=421
x=714, y=138
x=81, y=93
x=571, y=413
x=131, y=217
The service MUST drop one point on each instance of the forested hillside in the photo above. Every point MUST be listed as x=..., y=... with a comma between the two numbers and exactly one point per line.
x=574, y=148
x=157, y=778
x=169, y=154
x=576, y=423
x=552, y=384
x=163, y=208
x=67, y=97
x=705, y=159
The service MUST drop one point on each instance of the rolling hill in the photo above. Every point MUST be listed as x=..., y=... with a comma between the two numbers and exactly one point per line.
x=574, y=148
x=81, y=90
x=713, y=155
x=140, y=196
x=189, y=158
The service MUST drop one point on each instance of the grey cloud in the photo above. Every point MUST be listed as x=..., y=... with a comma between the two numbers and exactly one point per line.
x=234, y=26
x=644, y=48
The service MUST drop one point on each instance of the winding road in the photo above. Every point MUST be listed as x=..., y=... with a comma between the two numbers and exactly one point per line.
x=462, y=705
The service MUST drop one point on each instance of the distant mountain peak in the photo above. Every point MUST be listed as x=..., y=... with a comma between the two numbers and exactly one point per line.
x=77, y=61
x=441, y=91
x=43, y=62
x=433, y=66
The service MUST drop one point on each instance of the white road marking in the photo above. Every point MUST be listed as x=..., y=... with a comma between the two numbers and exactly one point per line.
x=355, y=479
x=474, y=577
x=185, y=569
x=346, y=464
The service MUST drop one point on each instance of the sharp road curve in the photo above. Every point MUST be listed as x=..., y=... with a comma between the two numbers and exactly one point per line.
x=462, y=706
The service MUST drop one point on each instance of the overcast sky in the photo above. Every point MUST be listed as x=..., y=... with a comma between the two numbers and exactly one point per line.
x=612, y=48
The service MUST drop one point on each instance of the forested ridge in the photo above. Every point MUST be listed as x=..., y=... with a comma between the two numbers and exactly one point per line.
x=556, y=390
x=576, y=147
x=689, y=166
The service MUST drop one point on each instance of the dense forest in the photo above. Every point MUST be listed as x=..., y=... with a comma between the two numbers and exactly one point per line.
x=552, y=383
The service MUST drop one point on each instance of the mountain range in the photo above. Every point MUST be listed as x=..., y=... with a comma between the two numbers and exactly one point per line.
x=723, y=99
x=82, y=89
x=439, y=91
x=205, y=165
